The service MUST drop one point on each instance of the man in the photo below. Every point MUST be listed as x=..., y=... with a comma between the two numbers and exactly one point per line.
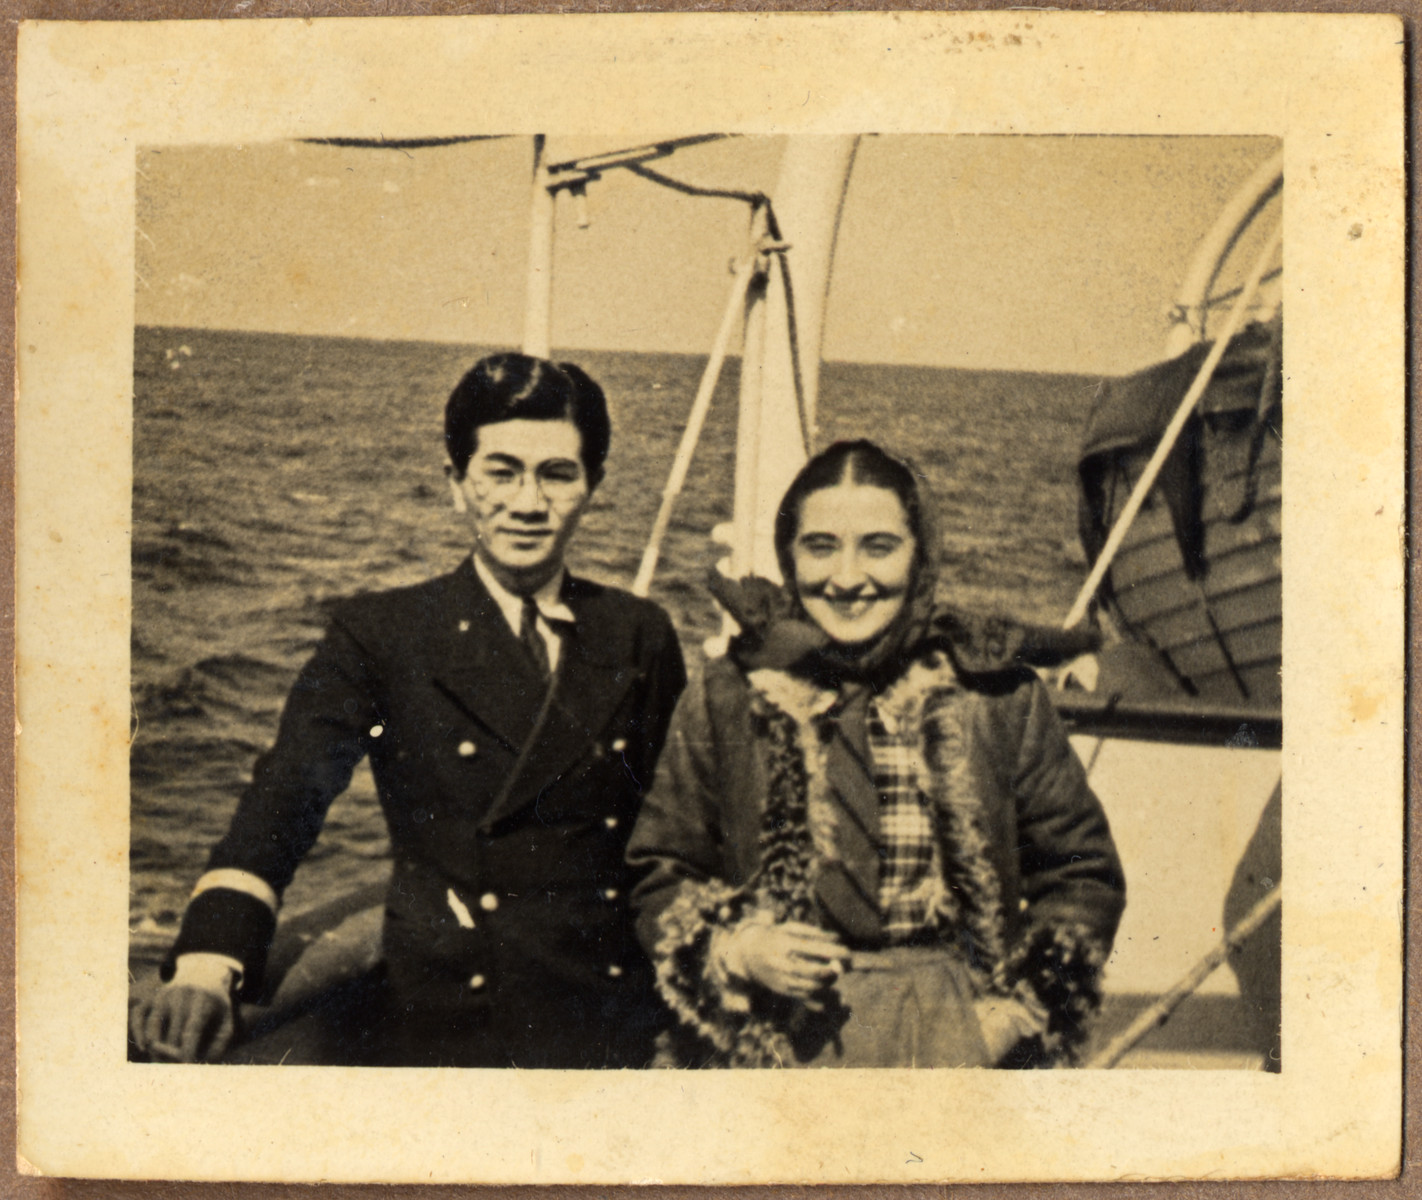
x=513, y=715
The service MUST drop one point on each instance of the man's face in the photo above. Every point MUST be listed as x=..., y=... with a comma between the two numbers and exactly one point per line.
x=526, y=489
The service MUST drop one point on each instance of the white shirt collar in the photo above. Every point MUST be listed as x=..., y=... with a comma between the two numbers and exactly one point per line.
x=548, y=598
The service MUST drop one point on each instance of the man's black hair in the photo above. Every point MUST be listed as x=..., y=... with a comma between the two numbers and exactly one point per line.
x=514, y=387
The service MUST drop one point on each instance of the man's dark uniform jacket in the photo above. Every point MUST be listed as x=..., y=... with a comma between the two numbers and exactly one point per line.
x=507, y=939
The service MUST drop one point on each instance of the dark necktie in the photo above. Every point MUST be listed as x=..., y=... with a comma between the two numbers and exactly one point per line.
x=848, y=886
x=533, y=640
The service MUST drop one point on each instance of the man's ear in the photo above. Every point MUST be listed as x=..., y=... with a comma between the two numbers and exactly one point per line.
x=455, y=491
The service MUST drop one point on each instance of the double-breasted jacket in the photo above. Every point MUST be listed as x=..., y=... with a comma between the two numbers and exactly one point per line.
x=509, y=805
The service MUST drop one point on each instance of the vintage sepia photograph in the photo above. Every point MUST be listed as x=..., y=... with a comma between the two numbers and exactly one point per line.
x=699, y=550
x=977, y=769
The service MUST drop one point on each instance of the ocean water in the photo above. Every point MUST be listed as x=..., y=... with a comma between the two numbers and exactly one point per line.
x=273, y=472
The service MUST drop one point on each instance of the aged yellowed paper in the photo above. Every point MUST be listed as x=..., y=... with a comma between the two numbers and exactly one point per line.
x=118, y=121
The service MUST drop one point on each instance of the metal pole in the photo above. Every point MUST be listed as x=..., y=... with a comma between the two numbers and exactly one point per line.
x=1159, y=1012
x=538, y=311
x=1210, y=255
x=1172, y=431
x=748, y=439
x=692, y=433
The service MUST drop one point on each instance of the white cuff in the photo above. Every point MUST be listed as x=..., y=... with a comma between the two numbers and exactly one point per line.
x=238, y=881
x=208, y=972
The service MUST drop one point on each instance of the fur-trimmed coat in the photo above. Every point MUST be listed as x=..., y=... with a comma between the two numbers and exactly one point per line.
x=737, y=822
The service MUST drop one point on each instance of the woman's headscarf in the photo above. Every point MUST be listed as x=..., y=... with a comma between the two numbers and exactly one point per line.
x=777, y=632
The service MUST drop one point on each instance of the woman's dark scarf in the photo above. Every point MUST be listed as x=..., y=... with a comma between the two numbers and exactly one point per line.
x=777, y=633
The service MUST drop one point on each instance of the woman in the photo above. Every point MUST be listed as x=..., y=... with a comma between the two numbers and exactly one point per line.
x=870, y=843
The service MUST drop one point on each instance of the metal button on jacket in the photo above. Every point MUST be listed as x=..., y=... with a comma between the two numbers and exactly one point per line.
x=476, y=982
x=610, y=822
x=467, y=749
x=614, y=971
x=609, y=893
x=488, y=902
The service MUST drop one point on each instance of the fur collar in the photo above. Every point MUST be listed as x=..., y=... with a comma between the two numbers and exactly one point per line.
x=925, y=708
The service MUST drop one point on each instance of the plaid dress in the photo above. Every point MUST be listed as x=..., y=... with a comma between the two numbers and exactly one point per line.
x=911, y=864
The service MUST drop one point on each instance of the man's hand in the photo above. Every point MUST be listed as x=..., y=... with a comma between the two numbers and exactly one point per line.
x=183, y=1024
x=792, y=959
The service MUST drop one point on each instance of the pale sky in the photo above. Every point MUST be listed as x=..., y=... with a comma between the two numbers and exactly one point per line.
x=1030, y=253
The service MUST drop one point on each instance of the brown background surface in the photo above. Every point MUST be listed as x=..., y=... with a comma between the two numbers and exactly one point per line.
x=13, y=1184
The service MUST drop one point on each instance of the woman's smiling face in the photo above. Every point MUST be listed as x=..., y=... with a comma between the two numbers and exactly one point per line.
x=854, y=557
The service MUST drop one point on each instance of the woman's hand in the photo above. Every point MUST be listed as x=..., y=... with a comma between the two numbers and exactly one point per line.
x=791, y=958
x=1006, y=1020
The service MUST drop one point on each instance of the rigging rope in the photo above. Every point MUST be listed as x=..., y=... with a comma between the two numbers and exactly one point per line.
x=746, y=271
x=755, y=199
x=796, y=369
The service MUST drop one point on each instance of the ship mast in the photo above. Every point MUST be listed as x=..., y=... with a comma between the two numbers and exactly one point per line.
x=784, y=332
